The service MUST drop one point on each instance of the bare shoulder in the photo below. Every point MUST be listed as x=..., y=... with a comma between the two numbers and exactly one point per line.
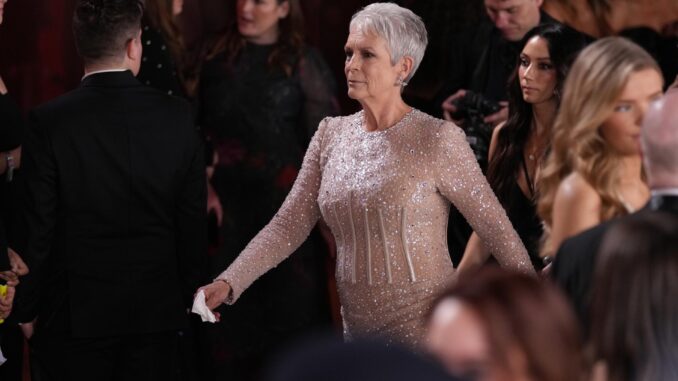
x=495, y=139
x=495, y=132
x=575, y=190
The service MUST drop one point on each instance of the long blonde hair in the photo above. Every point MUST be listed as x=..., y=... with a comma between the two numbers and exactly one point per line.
x=594, y=84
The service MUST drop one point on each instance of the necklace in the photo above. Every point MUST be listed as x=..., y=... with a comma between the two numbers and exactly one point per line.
x=532, y=156
x=536, y=153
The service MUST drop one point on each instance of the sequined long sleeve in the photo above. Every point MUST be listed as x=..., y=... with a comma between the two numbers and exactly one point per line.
x=287, y=230
x=461, y=181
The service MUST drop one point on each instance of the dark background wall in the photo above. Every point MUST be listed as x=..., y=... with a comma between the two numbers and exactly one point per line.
x=38, y=60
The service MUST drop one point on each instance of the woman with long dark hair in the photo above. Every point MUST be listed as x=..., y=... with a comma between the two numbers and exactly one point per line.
x=164, y=60
x=518, y=146
x=262, y=94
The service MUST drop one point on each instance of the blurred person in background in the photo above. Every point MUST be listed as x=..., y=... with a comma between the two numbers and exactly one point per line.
x=498, y=326
x=594, y=170
x=574, y=264
x=12, y=230
x=518, y=147
x=474, y=95
x=164, y=59
x=634, y=327
x=262, y=93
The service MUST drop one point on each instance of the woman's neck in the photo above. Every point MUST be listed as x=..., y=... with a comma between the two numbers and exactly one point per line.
x=380, y=116
x=268, y=38
x=630, y=169
x=543, y=115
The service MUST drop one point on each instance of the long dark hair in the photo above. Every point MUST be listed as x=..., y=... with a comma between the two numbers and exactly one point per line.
x=159, y=15
x=634, y=324
x=287, y=49
x=563, y=45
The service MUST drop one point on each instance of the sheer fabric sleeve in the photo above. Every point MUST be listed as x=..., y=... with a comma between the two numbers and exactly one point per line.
x=462, y=182
x=288, y=229
x=319, y=88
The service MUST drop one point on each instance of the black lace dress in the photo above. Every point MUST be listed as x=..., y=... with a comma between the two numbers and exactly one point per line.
x=259, y=120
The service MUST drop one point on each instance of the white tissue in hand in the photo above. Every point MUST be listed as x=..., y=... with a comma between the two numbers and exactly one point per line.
x=200, y=308
x=2, y=358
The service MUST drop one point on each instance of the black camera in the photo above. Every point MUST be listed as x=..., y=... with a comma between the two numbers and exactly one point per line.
x=472, y=109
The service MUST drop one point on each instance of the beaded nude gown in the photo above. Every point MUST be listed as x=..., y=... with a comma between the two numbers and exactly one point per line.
x=386, y=197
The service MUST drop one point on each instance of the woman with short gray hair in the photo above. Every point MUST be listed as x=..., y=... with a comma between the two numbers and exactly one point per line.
x=383, y=180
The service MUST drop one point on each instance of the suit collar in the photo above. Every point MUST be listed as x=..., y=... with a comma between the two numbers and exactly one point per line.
x=110, y=79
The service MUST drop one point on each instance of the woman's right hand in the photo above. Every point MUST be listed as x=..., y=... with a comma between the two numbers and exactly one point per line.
x=216, y=293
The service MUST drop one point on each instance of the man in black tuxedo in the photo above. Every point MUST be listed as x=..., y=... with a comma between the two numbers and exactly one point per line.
x=116, y=207
x=574, y=265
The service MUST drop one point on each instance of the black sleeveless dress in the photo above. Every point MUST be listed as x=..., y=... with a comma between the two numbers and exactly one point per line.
x=522, y=211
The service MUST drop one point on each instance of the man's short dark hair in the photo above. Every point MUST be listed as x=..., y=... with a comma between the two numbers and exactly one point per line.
x=102, y=28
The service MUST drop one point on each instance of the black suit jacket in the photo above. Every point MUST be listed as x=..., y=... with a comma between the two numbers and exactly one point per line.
x=574, y=265
x=116, y=206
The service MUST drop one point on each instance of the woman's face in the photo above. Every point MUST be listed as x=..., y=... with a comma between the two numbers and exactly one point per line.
x=536, y=72
x=368, y=69
x=177, y=7
x=258, y=19
x=621, y=130
x=458, y=339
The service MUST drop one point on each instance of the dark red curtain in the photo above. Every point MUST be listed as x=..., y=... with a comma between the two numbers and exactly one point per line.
x=38, y=60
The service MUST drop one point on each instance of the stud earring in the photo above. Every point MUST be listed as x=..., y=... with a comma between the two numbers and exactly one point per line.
x=400, y=82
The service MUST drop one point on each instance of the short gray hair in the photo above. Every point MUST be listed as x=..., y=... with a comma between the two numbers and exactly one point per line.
x=404, y=32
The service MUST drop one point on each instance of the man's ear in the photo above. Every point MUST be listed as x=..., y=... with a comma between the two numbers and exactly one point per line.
x=134, y=49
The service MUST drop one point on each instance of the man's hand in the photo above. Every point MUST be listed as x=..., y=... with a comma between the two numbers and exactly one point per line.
x=19, y=268
x=499, y=116
x=10, y=278
x=449, y=108
x=28, y=329
x=6, y=302
x=18, y=265
x=3, y=88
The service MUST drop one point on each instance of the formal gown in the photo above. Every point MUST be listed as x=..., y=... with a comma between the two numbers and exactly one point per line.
x=386, y=197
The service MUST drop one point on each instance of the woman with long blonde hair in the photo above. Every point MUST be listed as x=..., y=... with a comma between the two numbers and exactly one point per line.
x=593, y=172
